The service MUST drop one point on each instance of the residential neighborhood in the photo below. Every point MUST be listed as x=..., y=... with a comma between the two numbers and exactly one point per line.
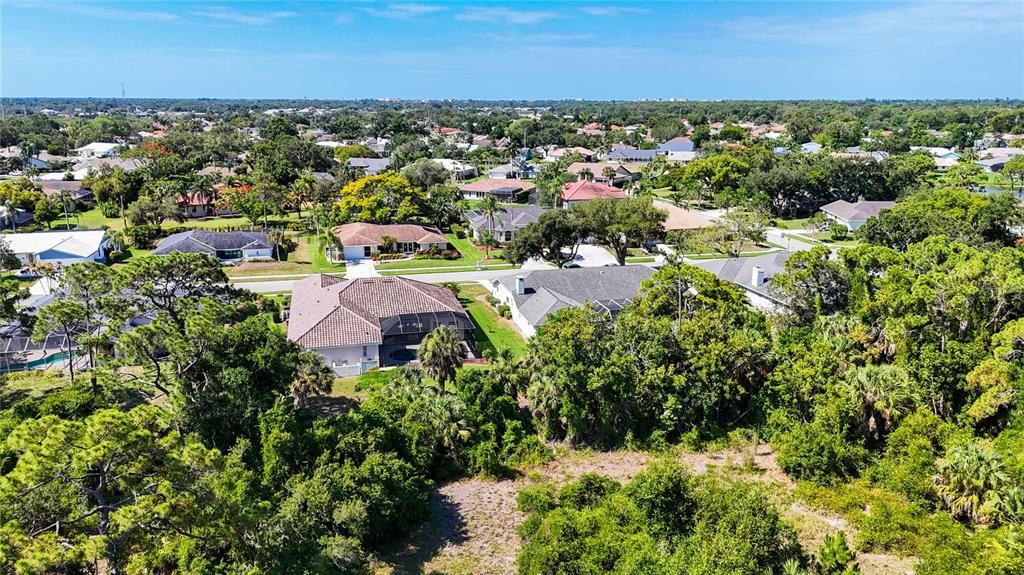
x=483, y=288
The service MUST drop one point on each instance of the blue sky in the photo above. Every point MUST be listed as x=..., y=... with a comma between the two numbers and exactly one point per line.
x=513, y=50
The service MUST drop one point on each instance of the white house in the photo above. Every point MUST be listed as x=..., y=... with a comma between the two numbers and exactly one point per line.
x=59, y=248
x=855, y=215
x=363, y=240
x=458, y=170
x=532, y=296
x=753, y=275
x=97, y=150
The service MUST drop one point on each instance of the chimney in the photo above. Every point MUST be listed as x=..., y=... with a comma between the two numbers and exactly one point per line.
x=520, y=285
x=757, y=276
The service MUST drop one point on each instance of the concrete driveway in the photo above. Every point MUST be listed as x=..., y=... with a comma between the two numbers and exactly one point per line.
x=360, y=269
x=594, y=256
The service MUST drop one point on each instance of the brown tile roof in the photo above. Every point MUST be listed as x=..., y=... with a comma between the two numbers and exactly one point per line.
x=328, y=311
x=584, y=190
x=680, y=219
x=491, y=184
x=363, y=234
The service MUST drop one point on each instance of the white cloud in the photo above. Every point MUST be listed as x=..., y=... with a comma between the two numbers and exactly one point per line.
x=613, y=10
x=917, y=22
x=506, y=15
x=103, y=12
x=342, y=18
x=247, y=18
x=543, y=38
x=404, y=11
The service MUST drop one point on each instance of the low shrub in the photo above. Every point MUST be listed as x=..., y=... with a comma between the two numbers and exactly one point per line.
x=818, y=452
x=379, y=257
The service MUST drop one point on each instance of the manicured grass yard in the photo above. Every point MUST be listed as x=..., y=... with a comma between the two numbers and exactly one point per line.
x=470, y=256
x=305, y=259
x=795, y=224
x=94, y=219
x=492, y=332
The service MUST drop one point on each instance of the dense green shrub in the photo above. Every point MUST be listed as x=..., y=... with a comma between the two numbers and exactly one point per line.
x=817, y=452
x=593, y=527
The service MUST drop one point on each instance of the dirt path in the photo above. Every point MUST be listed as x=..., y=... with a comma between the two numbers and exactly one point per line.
x=473, y=522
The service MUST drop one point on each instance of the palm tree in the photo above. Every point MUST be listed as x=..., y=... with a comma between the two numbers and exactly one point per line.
x=835, y=556
x=312, y=377
x=608, y=173
x=886, y=393
x=303, y=190
x=506, y=370
x=441, y=353
x=490, y=207
x=544, y=397
x=968, y=480
x=446, y=415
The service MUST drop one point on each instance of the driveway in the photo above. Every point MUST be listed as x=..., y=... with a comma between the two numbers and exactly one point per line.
x=594, y=256
x=360, y=269
x=787, y=241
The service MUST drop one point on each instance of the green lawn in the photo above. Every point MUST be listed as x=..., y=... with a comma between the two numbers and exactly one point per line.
x=470, y=256
x=794, y=224
x=721, y=256
x=94, y=219
x=492, y=332
x=20, y=385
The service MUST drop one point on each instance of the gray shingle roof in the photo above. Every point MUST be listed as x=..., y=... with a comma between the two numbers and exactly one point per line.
x=855, y=212
x=512, y=218
x=740, y=271
x=371, y=166
x=548, y=291
x=209, y=242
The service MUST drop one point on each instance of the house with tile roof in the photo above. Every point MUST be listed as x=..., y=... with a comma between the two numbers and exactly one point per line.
x=236, y=246
x=583, y=191
x=682, y=219
x=533, y=296
x=362, y=240
x=361, y=324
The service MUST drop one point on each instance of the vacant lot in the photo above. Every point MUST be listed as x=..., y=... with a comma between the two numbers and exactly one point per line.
x=472, y=530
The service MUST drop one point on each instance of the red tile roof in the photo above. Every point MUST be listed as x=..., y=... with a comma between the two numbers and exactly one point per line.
x=363, y=234
x=584, y=190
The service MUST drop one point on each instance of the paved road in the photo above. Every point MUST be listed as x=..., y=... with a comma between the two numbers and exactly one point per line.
x=470, y=276
x=285, y=285
x=777, y=236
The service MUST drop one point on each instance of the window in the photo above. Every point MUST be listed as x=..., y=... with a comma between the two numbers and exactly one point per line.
x=364, y=351
x=508, y=235
x=367, y=251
